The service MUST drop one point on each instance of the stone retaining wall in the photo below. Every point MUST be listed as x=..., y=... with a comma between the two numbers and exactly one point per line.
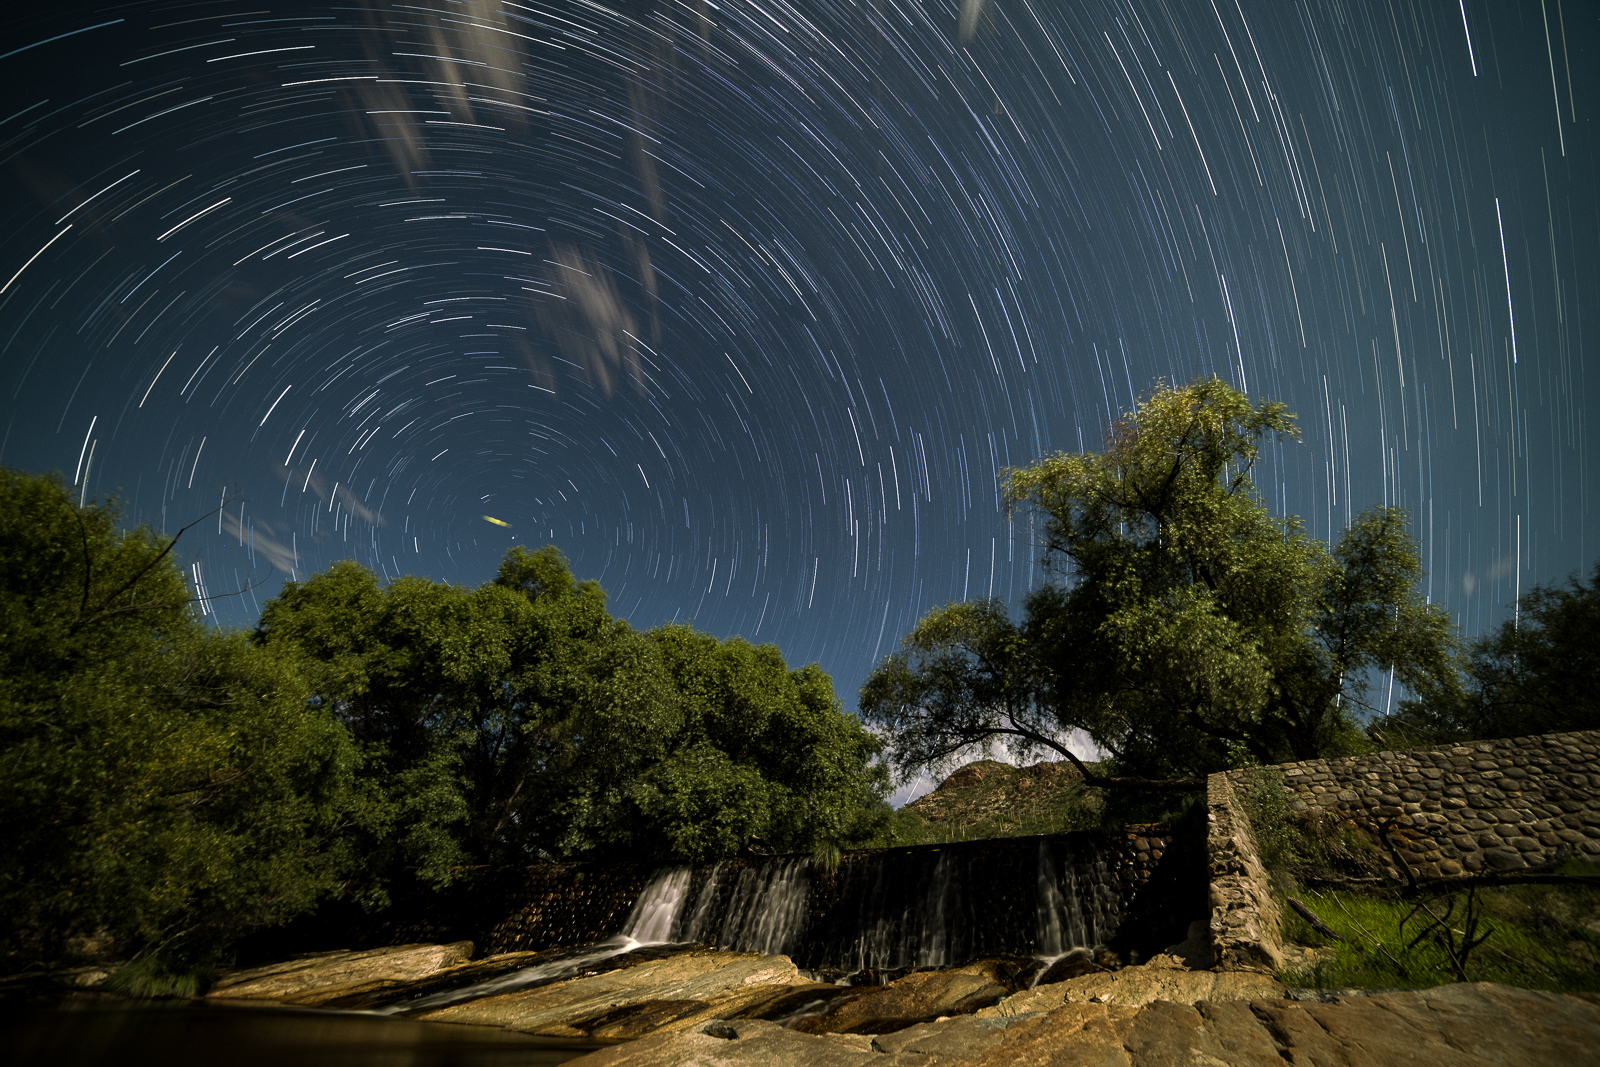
x=1453, y=810
x=1461, y=809
x=1245, y=922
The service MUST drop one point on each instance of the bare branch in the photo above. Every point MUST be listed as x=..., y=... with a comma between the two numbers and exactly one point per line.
x=100, y=609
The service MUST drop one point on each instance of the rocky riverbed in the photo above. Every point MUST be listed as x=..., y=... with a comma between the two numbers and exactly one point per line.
x=685, y=1004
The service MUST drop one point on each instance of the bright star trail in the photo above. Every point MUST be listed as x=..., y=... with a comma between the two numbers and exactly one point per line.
x=742, y=305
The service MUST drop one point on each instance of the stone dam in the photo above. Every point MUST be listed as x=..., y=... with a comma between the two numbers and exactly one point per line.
x=1451, y=810
x=982, y=953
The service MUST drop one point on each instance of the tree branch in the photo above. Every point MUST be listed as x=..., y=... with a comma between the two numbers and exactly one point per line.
x=131, y=582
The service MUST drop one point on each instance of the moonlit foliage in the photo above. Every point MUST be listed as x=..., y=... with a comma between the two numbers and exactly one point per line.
x=743, y=304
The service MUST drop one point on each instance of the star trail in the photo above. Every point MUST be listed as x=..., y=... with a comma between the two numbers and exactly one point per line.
x=743, y=305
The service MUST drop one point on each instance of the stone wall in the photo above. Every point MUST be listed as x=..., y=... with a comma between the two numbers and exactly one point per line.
x=1245, y=924
x=1453, y=810
x=1461, y=809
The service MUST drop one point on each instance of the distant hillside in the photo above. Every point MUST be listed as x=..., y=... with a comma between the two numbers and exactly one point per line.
x=993, y=799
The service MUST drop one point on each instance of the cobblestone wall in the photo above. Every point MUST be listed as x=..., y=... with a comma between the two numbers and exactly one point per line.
x=1456, y=810
x=1245, y=923
x=1461, y=809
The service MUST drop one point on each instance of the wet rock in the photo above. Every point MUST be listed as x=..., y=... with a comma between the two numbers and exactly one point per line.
x=1074, y=964
x=326, y=976
x=660, y=995
x=919, y=997
x=1460, y=1026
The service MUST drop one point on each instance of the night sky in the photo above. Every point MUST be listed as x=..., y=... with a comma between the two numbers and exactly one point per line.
x=743, y=305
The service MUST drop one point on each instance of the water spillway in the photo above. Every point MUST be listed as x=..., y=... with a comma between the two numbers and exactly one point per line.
x=877, y=909
x=889, y=909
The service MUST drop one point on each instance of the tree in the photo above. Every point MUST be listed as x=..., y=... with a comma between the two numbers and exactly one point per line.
x=1186, y=628
x=520, y=719
x=1538, y=672
x=163, y=786
x=458, y=698
x=754, y=729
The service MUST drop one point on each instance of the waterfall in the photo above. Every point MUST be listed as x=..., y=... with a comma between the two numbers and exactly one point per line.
x=924, y=906
x=1082, y=916
x=934, y=950
x=765, y=908
x=768, y=908
x=651, y=920
x=705, y=906
x=1051, y=906
x=939, y=907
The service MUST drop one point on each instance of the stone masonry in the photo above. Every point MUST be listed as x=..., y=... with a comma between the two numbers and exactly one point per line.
x=1498, y=805
x=1245, y=922
x=1456, y=810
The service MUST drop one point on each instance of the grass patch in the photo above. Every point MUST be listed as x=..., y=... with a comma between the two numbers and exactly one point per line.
x=1531, y=936
x=154, y=976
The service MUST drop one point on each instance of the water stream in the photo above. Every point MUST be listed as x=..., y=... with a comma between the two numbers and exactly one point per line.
x=920, y=907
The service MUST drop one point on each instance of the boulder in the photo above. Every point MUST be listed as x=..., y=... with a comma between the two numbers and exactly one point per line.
x=1478, y=1025
x=327, y=976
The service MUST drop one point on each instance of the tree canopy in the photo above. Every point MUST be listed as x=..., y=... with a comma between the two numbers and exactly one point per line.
x=166, y=785
x=1537, y=672
x=526, y=721
x=1184, y=628
x=161, y=784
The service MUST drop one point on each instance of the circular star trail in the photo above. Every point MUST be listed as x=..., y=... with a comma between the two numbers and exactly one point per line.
x=744, y=304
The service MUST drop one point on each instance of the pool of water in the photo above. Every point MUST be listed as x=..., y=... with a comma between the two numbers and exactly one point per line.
x=190, y=1034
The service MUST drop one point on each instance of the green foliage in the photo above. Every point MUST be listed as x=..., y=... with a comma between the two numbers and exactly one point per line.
x=166, y=975
x=909, y=828
x=521, y=719
x=1534, y=936
x=165, y=787
x=991, y=809
x=1284, y=844
x=1539, y=672
x=1304, y=845
x=1188, y=627
x=161, y=784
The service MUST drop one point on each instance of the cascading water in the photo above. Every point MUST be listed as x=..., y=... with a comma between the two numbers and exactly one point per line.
x=934, y=950
x=651, y=920
x=768, y=910
x=1077, y=908
x=938, y=907
x=649, y=923
x=877, y=912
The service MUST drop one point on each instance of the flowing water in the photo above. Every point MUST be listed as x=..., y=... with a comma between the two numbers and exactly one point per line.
x=542, y=973
x=922, y=907
x=766, y=913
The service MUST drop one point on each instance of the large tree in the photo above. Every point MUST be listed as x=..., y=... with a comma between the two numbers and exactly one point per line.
x=1185, y=627
x=163, y=786
x=521, y=719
